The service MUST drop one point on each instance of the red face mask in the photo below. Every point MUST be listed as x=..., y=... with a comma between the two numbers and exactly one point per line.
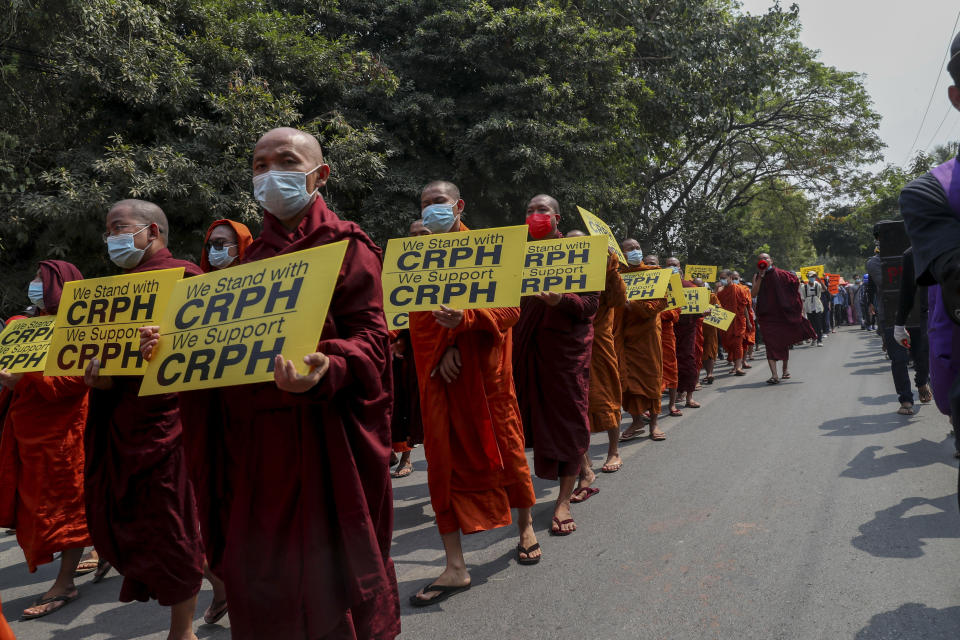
x=540, y=225
x=762, y=265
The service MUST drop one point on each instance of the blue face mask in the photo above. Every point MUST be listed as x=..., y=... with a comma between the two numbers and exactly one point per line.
x=122, y=250
x=723, y=281
x=439, y=218
x=35, y=293
x=220, y=258
x=675, y=269
x=635, y=257
x=736, y=281
x=283, y=193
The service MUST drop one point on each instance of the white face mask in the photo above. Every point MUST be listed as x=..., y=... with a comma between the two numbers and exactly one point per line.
x=283, y=193
x=122, y=250
x=221, y=258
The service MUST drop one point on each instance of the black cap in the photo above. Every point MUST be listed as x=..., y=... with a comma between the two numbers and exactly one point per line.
x=953, y=66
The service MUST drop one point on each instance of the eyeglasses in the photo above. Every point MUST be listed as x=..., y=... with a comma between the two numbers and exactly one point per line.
x=121, y=229
x=219, y=245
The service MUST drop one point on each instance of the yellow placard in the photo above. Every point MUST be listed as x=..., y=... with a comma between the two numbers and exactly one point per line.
x=100, y=318
x=704, y=272
x=462, y=270
x=675, y=298
x=697, y=300
x=719, y=317
x=818, y=268
x=398, y=321
x=597, y=227
x=24, y=344
x=226, y=327
x=565, y=265
x=650, y=284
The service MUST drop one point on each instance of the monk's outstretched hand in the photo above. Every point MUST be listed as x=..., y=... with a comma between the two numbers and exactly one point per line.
x=149, y=339
x=91, y=375
x=550, y=297
x=287, y=377
x=450, y=364
x=447, y=317
x=9, y=380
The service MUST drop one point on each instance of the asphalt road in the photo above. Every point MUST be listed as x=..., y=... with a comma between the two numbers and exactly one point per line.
x=803, y=510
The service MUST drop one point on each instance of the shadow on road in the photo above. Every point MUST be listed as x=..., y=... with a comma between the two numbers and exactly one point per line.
x=893, y=534
x=913, y=620
x=864, y=425
x=870, y=370
x=890, y=398
x=867, y=465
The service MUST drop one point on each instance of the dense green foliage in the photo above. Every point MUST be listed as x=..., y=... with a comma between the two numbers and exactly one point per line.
x=685, y=123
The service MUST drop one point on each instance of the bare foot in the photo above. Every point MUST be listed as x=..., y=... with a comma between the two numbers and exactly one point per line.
x=454, y=578
x=612, y=464
x=49, y=607
x=561, y=513
x=188, y=636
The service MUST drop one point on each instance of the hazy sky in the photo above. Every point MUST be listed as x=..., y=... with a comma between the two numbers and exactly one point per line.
x=900, y=46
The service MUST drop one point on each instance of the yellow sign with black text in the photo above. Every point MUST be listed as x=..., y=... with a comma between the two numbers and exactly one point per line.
x=697, y=300
x=597, y=227
x=226, y=327
x=24, y=344
x=650, y=284
x=462, y=270
x=675, y=298
x=719, y=317
x=818, y=268
x=565, y=265
x=704, y=272
x=100, y=318
x=398, y=321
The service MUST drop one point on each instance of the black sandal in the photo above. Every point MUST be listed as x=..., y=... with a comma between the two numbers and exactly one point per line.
x=773, y=381
x=103, y=568
x=445, y=592
x=528, y=560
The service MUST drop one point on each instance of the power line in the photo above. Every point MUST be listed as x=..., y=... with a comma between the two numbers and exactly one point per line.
x=937, y=130
x=932, y=91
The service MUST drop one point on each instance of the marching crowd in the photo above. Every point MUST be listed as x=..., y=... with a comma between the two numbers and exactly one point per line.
x=280, y=493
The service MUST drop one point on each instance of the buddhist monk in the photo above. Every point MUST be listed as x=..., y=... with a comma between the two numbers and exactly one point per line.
x=472, y=432
x=41, y=458
x=736, y=300
x=297, y=503
x=779, y=313
x=605, y=391
x=668, y=347
x=224, y=244
x=140, y=504
x=639, y=353
x=686, y=330
x=710, y=343
x=750, y=337
x=552, y=341
x=406, y=425
x=698, y=342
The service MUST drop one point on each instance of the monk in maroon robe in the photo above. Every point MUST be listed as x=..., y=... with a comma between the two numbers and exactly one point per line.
x=552, y=343
x=297, y=507
x=779, y=313
x=686, y=330
x=141, y=511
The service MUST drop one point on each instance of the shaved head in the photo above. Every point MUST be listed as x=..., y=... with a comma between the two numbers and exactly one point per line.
x=630, y=244
x=576, y=233
x=543, y=198
x=417, y=228
x=765, y=256
x=304, y=143
x=145, y=213
x=724, y=273
x=651, y=260
x=448, y=188
x=673, y=261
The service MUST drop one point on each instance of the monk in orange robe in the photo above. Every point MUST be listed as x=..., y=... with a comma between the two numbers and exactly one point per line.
x=750, y=337
x=668, y=347
x=735, y=299
x=472, y=433
x=41, y=458
x=710, y=343
x=639, y=353
x=605, y=398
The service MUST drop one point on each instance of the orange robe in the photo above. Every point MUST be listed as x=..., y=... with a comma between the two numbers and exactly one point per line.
x=710, y=336
x=698, y=345
x=668, y=344
x=735, y=299
x=41, y=466
x=750, y=337
x=638, y=352
x=605, y=398
x=6, y=633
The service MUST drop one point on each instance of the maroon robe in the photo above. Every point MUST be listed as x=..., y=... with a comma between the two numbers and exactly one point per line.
x=551, y=371
x=141, y=512
x=295, y=499
x=686, y=331
x=780, y=313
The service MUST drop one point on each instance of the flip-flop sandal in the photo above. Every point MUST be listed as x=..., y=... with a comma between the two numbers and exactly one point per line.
x=739, y=373
x=214, y=614
x=773, y=381
x=39, y=602
x=676, y=413
x=402, y=473
x=693, y=405
x=86, y=566
x=658, y=437
x=528, y=560
x=785, y=376
x=445, y=592
x=747, y=366
x=559, y=530
x=633, y=436
x=578, y=495
x=103, y=568
x=611, y=468
x=708, y=380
